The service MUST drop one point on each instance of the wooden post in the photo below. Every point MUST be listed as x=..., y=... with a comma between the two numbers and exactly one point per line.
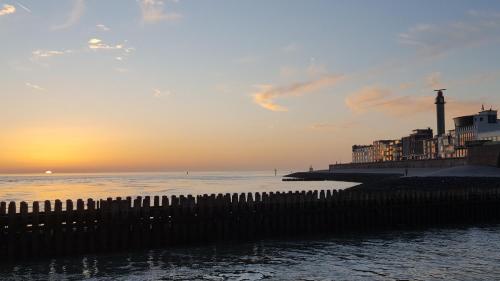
x=23, y=230
x=136, y=223
x=165, y=220
x=146, y=227
x=3, y=208
x=12, y=245
x=69, y=231
x=57, y=227
x=35, y=230
x=174, y=221
x=48, y=227
x=265, y=210
x=79, y=227
x=91, y=226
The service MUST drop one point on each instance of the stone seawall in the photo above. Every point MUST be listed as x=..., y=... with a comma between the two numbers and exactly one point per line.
x=485, y=155
x=435, y=163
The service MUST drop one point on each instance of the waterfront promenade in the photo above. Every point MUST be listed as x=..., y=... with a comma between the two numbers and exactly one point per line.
x=457, y=171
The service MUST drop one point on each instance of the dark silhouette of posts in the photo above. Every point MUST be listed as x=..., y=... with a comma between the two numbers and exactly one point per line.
x=122, y=224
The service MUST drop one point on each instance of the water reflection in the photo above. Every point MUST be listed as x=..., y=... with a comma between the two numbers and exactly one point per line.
x=74, y=186
x=451, y=254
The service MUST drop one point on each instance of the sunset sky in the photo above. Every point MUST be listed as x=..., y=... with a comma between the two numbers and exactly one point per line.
x=152, y=85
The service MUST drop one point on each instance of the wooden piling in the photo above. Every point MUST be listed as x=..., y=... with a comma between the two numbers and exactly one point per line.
x=117, y=224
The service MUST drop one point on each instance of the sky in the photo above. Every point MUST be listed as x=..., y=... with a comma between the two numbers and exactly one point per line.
x=175, y=85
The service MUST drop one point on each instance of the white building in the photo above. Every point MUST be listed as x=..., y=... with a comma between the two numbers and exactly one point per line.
x=482, y=126
x=487, y=125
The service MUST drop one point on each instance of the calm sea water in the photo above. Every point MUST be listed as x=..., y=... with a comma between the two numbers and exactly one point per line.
x=100, y=186
x=459, y=253
x=471, y=253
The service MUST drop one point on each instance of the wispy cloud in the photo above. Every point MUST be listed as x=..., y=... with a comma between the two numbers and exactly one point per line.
x=34, y=87
x=102, y=27
x=74, y=15
x=379, y=99
x=24, y=7
x=291, y=48
x=7, y=9
x=433, y=80
x=157, y=93
x=222, y=88
x=245, y=60
x=288, y=71
x=98, y=44
x=37, y=54
x=335, y=126
x=121, y=70
x=315, y=69
x=267, y=94
x=405, y=85
x=436, y=39
x=154, y=11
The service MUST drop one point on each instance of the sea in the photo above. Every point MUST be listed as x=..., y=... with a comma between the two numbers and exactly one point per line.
x=461, y=252
x=40, y=187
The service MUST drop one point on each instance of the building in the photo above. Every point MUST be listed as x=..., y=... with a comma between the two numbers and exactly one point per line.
x=413, y=145
x=482, y=126
x=382, y=150
x=487, y=125
x=362, y=153
x=396, y=150
x=431, y=148
x=464, y=132
x=422, y=144
x=446, y=145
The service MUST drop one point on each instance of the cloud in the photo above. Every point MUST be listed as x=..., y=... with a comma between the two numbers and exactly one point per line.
x=121, y=70
x=74, y=15
x=34, y=87
x=24, y=7
x=291, y=48
x=37, y=54
x=7, y=9
x=267, y=93
x=378, y=99
x=328, y=126
x=406, y=85
x=288, y=71
x=433, y=80
x=245, y=60
x=98, y=44
x=222, y=88
x=315, y=69
x=430, y=40
x=102, y=27
x=157, y=93
x=154, y=11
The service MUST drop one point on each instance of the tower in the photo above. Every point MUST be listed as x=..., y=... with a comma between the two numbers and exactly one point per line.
x=440, y=111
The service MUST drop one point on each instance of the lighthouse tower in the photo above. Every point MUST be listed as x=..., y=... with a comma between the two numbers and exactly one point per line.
x=440, y=112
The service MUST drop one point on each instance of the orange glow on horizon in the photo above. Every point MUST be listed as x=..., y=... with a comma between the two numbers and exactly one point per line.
x=85, y=149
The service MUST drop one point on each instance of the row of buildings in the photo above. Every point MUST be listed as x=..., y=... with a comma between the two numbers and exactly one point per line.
x=422, y=144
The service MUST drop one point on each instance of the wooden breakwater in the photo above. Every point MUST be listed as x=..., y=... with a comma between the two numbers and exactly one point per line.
x=125, y=223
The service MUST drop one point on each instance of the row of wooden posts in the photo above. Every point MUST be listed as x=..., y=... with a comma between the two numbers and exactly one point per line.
x=118, y=224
